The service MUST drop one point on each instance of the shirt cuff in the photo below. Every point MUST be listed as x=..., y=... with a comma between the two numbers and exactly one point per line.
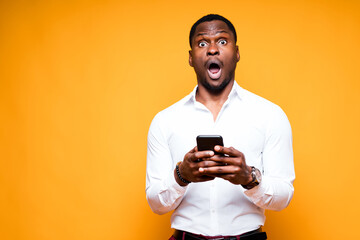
x=172, y=184
x=257, y=193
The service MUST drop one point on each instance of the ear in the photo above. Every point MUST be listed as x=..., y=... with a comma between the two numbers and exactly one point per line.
x=190, y=58
x=237, y=54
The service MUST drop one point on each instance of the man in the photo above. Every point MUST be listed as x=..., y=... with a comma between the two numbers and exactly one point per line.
x=215, y=196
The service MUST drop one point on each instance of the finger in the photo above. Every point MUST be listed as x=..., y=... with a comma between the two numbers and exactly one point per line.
x=229, y=151
x=223, y=160
x=200, y=155
x=223, y=176
x=208, y=163
x=216, y=170
x=191, y=155
x=205, y=178
x=193, y=150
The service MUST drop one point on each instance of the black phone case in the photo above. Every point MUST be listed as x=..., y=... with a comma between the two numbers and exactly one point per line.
x=208, y=142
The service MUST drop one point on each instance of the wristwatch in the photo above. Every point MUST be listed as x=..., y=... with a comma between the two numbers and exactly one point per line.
x=256, y=178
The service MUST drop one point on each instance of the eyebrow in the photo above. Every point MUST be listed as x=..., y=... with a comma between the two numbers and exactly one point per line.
x=201, y=34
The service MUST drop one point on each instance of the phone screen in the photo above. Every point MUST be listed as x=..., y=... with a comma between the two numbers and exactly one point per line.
x=208, y=142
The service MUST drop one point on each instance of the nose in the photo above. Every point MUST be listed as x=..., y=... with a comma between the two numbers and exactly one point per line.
x=213, y=50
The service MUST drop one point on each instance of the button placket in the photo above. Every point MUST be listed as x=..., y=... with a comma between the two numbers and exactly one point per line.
x=213, y=206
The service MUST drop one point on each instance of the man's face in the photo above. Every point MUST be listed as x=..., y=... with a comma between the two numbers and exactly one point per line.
x=214, y=55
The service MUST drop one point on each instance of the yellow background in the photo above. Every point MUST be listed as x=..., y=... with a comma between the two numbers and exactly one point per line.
x=80, y=82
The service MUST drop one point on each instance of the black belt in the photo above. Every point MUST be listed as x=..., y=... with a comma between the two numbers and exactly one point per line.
x=252, y=235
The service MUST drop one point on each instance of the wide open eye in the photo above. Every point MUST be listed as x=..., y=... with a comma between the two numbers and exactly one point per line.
x=202, y=44
x=222, y=42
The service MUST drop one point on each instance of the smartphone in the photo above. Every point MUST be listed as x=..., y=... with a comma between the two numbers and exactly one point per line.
x=208, y=142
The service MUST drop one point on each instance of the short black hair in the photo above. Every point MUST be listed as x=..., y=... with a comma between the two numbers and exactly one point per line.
x=209, y=18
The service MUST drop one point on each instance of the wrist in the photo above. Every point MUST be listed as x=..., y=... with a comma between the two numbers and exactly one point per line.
x=250, y=176
x=255, y=179
x=178, y=176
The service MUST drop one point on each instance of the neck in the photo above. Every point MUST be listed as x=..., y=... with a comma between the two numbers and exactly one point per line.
x=204, y=96
x=213, y=101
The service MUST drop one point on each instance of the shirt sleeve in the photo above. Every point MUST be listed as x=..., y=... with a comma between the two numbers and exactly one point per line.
x=163, y=193
x=276, y=188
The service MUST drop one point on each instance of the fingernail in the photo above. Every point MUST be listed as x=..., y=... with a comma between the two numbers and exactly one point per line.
x=201, y=169
x=217, y=148
x=211, y=153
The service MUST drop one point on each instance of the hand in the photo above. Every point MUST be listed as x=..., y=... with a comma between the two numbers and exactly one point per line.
x=231, y=167
x=189, y=168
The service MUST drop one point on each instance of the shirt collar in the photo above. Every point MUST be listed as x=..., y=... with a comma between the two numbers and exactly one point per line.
x=236, y=91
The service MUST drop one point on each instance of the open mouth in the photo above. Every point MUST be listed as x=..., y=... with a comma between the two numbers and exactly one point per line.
x=214, y=71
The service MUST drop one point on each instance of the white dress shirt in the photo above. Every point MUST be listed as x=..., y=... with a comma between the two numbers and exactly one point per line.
x=247, y=122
